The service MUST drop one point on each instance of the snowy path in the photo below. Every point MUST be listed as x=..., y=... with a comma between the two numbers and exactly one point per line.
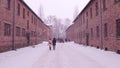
x=66, y=55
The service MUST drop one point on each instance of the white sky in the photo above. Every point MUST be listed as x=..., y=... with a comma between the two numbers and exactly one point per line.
x=60, y=8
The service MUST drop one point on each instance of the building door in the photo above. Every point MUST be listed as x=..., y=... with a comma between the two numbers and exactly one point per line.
x=28, y=39
x=87, y=39
x=28, y=34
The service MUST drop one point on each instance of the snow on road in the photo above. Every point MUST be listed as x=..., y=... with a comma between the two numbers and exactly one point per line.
x=66, y=55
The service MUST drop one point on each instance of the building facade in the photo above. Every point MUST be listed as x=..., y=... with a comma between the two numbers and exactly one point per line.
x=20, y=26
x=99, y=25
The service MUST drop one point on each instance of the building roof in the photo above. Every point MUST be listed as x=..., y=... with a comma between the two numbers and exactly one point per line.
x=83, y=9
x=22, y=1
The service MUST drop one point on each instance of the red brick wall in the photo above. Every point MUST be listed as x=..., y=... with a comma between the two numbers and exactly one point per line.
x=36, y=26
x=110, y=16
x=6, y=16
x=85, y=22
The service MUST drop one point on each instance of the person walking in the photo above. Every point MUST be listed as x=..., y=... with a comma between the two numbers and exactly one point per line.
x=54, y=43
x=50, y=44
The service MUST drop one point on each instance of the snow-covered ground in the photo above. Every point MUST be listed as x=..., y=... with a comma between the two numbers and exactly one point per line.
x=66, y=55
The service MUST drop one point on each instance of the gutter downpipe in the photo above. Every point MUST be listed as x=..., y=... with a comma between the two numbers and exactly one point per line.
x=36, y=35
x=14, y=20
x=101, y=39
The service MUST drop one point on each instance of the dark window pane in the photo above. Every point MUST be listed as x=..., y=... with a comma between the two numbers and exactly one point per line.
x=23, y=12
x=18, y=9
x=17, y=31
x=7, y=29
x=96, y=8
x=23, y=32
x=117, y=1
x=27, y=24
x=118, y=28
x=90, y=12
x=105, y=30
x=97, y=31
x=91, y=32
x=8, y=4
x=104, y=4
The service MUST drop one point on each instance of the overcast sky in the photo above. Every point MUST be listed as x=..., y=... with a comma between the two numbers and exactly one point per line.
x=60, y=8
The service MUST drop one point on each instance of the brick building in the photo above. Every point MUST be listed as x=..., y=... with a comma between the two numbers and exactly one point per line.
x=98, y=25
x=20, y=26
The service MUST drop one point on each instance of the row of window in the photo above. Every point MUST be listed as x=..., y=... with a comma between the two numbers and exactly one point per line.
x=33, y=19
x=19, y=11
x=96, y=10
x=8, y=6
x=8, y=30
x=105, y=28
x=98, y=31
x=33, y=34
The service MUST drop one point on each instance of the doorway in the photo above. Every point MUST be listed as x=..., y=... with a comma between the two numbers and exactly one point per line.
x=87, y=39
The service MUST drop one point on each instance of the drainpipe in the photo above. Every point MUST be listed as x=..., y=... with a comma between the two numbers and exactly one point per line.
x=101, y=38
x=14, y=20
x=36, y=34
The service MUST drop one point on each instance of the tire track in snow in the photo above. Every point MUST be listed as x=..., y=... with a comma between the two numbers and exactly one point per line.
x=78, y=59
x=50, y=59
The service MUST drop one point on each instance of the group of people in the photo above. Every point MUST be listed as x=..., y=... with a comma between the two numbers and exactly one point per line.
x=52, y=43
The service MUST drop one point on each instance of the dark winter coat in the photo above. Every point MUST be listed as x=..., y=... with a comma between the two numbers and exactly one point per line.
x=54, y=41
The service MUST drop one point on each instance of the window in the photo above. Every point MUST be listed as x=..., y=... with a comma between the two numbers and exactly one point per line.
x=8, y=4
x=96, y=8
x=83, y=19
x=24, y=13
x=7, y=29
x=23, y=32
x=38, y=34
x=104, y=4
x=116, y=1
x=17, y=31
x=27, y=24
x=118, y=28
x=35, y=21
x=97, y=32
x=0, y=1
x=87, y=14
x=105, y=30
x=28, y=13
x=18, y=9
x=32, y=19
x=32, y=33
x=87, y=24
x=90, y=12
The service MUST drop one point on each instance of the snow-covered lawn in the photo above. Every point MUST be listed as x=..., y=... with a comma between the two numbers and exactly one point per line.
x=66, y=55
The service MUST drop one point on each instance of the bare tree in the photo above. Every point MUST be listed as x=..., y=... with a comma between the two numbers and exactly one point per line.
x=76, y=12
x=59, y=26
x=41, y=12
